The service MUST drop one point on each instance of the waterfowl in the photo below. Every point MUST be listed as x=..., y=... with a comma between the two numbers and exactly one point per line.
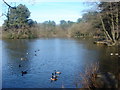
x=116, y=54
x=24, y=72
x=99, y=76
x=27, y=53
x=35, y=54
x=111, y=54
x=54, y=76
x=23, y=58
x=19, y=65
x=53, y=79
x=58, y=72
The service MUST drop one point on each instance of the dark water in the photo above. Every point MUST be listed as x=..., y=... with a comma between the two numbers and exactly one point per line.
x=66, y=55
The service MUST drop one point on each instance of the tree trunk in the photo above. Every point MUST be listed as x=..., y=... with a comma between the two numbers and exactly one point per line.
x=106, y=33
x=113, y=26
x=117, y=27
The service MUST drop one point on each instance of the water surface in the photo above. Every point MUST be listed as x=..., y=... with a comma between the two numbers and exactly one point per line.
x=69, y=56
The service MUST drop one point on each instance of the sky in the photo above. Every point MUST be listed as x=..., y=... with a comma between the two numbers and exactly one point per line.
x=44, y=10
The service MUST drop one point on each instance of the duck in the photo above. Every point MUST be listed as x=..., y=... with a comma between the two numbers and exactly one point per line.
x=116, y=54
x=56, y=72
x=27, y=53
x=24, y=72
x=99, y=75
x=19, y=65
x=53, y=78
x=35, y=54
x=111, y=54
x=52, y=74
x=23, y=58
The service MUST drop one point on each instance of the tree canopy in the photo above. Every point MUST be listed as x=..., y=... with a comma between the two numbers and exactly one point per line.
x=18, y=18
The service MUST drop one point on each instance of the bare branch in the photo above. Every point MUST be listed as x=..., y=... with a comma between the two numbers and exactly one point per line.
x=9, y=5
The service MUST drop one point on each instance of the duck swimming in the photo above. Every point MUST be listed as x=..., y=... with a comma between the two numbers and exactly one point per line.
x=23, y=59
x=24, y=72
x=56, y=72
x=111, y=54
x=19, y=65
x=53, y=78
x=116, y=54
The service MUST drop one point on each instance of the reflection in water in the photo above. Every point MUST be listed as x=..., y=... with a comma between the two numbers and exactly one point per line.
x=15, y=50
x=108, y=62
x=43, y=56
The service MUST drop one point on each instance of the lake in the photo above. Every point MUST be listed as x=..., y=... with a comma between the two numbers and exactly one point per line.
x=69, y=56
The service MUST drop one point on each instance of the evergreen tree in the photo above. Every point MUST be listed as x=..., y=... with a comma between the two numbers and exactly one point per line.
x=18, y=18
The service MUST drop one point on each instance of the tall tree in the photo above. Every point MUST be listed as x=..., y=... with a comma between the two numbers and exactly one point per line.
x=18, y=17
x=49, y=25
x=66, y=24
x=18, y=23
x=110, y=18
x=79, y=20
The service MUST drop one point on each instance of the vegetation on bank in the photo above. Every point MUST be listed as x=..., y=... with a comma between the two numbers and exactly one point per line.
x=102, y=23
x=81, y=28
x=93, y=78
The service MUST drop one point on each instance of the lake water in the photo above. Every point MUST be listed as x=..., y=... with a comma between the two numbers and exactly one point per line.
x=69, y=56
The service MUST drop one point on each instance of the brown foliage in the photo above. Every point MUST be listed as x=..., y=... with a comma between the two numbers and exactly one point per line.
x=89, y=77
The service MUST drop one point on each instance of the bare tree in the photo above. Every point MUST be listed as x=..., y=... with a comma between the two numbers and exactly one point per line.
x=110, y=20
